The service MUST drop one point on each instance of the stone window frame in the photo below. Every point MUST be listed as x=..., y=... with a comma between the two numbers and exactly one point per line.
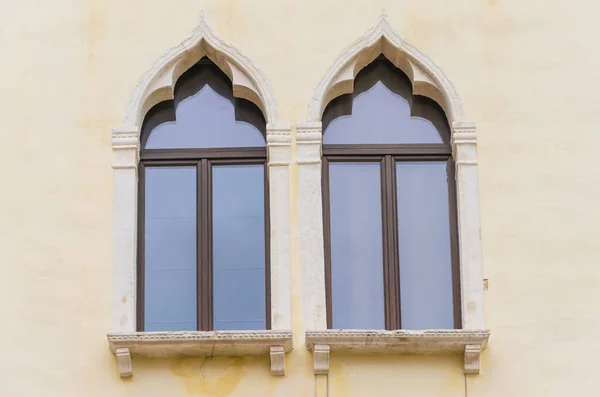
x=155, y=86
x=427, y=80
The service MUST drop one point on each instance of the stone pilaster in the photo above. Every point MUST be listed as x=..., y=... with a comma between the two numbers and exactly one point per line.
x=309, y=138
x=464, y=146
x=125, y=147
x=279, y=159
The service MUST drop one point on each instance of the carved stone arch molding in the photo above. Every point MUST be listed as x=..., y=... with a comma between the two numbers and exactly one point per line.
x=158, y=83
x=155, y=86
x=427, y=80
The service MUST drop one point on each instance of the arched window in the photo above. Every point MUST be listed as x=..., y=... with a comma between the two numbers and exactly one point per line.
x=203, y=247
x=390, y=232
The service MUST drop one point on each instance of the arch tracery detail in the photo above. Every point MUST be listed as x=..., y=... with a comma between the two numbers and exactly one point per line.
x=158, y=83
x=426, y=78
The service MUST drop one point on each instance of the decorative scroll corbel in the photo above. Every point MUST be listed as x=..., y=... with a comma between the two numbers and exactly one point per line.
x=124, y=362
x=472, y=359
x=277, y=360
x=321, y=359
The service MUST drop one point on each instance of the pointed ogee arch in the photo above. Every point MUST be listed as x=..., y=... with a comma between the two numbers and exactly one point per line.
x=426, y=78
x=158, y=83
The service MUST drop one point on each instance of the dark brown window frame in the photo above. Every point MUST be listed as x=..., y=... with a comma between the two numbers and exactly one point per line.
x=387, y=156
x=203, y=159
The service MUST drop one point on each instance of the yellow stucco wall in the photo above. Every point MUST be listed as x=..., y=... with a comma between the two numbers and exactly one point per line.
x=526, y=71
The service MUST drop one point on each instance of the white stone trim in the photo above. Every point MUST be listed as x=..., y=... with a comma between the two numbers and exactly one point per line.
x=279, y=157
x=427, y=80
x=200, y=344
x=464, y=147
x=125, y=144
x=469, y=342
x=157, y=85
x=308, y=143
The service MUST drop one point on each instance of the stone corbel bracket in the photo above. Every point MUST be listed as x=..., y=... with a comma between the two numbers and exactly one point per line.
x=124, y=362
x=321, y=359
x=200, y=344
x=472, y=359
x=468, y=342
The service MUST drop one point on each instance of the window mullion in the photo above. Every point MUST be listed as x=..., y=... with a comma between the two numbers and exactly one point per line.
x=394, y=252
x=199, y=246
x=204, y=249
x=385, y=242
x=390, y=244
x=208, y=222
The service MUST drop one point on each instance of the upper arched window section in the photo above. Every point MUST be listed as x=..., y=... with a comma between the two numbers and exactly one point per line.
x=203, y=258
x=204, y=114
x=391, y=245
x=383, y=110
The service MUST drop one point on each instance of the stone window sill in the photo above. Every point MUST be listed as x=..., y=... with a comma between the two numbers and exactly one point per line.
x=126, y=345
x=467, y=342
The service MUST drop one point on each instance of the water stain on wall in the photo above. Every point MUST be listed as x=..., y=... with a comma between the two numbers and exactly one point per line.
x=338, y=383
x=210, y=376
x=237, y=18
x=95, y=33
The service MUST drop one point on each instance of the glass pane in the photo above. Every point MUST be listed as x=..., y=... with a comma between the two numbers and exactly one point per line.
x=205, y=115
x=380, y=112
x=424, y=243
x=356, y=245
x=239, y=247
x=170, y=249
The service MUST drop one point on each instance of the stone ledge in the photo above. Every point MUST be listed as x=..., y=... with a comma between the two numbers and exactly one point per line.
x=467, y=342
x=200, y=344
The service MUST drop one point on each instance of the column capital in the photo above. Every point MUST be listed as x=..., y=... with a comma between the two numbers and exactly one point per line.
x=125, y=147
x=464, y=143
x=310, y=132
x=309, y=138
x=464, y=133
x=279, y=141
x=125, y=138
x=279, y=134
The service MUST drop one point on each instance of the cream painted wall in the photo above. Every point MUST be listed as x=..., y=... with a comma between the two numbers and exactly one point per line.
x=527, y=74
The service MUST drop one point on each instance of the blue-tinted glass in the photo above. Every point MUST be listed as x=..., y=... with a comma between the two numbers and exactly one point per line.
x=356, y=245
x=382, y=110
x=239, y=247
x=170, y=249
x=424, y=244
x=206, y=115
